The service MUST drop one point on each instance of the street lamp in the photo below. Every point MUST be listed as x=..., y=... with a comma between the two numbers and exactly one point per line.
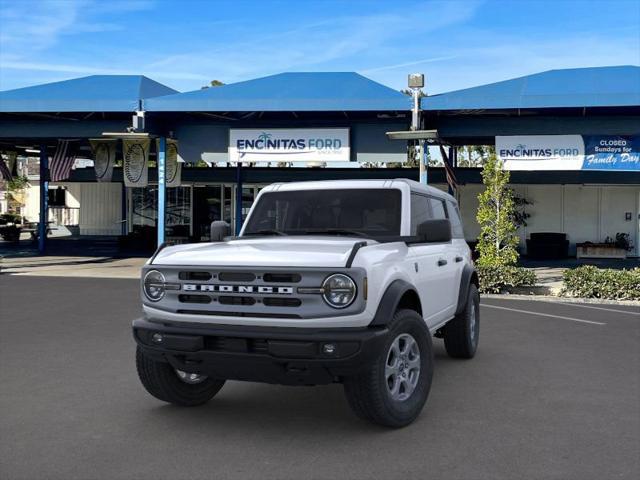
x=416, y=83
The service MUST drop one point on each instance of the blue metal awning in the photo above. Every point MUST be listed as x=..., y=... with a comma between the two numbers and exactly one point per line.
x=96, y=93
x=570, y=88
x=288, y=92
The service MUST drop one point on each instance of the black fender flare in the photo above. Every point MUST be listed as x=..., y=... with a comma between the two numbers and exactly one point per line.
x=469, y=276
x=389, y=302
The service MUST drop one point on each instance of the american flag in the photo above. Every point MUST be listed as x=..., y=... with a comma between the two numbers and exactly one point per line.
x=4, y=170
x=448, y=169
x=62, y=160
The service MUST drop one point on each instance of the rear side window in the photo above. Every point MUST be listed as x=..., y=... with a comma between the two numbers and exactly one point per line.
x=437, y=209
x=420, y=211
x=454, y=217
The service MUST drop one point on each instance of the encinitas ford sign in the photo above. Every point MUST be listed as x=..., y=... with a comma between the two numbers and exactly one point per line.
x=541, y=152
x=569, y=152
x=289, y=145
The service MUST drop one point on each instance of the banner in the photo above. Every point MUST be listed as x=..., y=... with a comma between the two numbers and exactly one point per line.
x=610, y=152
x=104, y=157
x=541, y=152
x=135, y=153
x=289, y=145
x=173, y=166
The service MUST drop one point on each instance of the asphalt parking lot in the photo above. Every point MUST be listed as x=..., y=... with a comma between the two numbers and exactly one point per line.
x=554, y=392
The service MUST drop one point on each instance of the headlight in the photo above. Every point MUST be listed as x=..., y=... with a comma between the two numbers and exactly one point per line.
x=154, y=285
x=339, y=290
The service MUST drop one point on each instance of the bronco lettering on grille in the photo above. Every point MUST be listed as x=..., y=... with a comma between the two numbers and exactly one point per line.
x=192, y=287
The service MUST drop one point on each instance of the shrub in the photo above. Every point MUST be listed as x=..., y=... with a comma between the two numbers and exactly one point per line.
x=495, y=278
x=592, y=282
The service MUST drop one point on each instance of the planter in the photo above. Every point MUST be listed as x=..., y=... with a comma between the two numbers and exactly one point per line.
x=599, y=250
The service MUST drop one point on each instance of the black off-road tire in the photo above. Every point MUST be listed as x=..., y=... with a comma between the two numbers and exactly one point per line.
x=461, y=334
x=161, y=380
x=368, y=394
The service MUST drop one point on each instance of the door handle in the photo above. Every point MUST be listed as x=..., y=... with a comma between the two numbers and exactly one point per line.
x=442, y=262
x=459, y=259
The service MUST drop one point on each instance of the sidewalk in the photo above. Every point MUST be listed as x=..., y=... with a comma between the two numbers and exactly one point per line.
x=67, y=266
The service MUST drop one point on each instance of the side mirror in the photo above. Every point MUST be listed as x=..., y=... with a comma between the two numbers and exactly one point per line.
x=434, y=231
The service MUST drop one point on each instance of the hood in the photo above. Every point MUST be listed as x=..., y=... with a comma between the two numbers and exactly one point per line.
x=308, y=251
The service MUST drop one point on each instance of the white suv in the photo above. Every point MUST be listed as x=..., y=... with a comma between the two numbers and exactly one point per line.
x=338, y=281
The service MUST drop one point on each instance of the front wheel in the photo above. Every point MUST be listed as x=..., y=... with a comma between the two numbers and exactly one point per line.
x=462, y=333
x=175, y=386
x=395, y=387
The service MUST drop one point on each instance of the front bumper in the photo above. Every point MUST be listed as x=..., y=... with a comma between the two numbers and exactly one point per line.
x=289, y=356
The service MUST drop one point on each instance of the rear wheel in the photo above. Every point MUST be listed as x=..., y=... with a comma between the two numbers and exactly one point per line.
x=462, y=333
x=175, y=386
x=393, y=390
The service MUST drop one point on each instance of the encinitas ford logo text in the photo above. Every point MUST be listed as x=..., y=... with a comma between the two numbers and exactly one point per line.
x=265, y=144
x=522, y=151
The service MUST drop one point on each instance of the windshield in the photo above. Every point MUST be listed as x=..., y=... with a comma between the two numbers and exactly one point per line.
x=360, y=212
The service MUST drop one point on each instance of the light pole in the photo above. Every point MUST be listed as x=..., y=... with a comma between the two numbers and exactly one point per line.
x=416, y=83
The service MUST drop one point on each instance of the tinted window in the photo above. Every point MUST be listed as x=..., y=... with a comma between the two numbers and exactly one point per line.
x=437, y=208
x=420, y=211
x=456, y=223
x=371, y=212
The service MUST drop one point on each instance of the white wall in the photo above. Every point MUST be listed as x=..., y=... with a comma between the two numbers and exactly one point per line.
x=583, y=212
x=100, y=208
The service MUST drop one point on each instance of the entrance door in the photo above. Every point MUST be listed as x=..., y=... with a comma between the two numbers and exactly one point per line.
x=207, y=207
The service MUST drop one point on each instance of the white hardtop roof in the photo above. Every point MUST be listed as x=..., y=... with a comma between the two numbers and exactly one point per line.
x=355, y=184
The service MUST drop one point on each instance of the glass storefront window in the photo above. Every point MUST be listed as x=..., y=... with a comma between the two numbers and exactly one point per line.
x=144, y=211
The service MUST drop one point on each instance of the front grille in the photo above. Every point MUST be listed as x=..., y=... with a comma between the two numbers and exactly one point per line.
x=195, y=276
x=194, y=298
x=227, y=300
x=282, y=302
x=282, y=277
x=236, y=277
x=264, y=292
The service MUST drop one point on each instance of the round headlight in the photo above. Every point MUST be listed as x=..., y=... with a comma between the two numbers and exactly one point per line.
x=154, y=285
x=339, y=290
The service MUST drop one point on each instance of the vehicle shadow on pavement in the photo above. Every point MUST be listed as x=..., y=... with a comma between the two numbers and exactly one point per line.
x=275, y=409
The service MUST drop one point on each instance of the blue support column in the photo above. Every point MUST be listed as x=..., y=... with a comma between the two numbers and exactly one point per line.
x=162, y=190
x=44, y=199
x=424, y=162
x=238, y=198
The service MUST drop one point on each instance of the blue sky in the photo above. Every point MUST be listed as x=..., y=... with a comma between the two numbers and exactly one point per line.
x=184, y=44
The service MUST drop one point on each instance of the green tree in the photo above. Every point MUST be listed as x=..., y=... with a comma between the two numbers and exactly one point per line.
x=213, y=83
x=498, y=241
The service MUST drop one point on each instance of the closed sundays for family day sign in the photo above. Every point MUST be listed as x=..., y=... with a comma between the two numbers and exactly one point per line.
x=569, y=152
x=289, y=145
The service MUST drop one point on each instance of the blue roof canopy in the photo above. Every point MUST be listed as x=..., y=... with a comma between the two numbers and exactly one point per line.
x=577, y=87
x=96, y=93
x=297, y=92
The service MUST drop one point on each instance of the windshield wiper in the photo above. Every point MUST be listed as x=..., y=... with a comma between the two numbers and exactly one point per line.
x=266, y=232
x=337, y=231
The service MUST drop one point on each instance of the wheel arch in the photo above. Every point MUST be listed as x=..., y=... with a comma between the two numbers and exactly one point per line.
x=469, y=277
x=399, y=294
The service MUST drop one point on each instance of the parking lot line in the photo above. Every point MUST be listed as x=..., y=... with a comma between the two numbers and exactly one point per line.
x=597, y=308
x=530, y=312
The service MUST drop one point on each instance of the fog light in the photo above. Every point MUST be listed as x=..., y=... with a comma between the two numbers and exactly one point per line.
x=329, y=348
x=156, y=338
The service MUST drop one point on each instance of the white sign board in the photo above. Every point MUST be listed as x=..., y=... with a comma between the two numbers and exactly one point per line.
x=541, y=152
x=289, y=145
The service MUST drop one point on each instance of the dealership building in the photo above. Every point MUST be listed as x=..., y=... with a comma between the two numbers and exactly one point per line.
x=571, y=139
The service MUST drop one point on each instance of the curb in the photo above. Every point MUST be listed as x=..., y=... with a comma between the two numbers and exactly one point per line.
x=556, y=299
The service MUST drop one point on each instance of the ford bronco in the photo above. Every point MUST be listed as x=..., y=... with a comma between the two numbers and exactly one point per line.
x=336, y=281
